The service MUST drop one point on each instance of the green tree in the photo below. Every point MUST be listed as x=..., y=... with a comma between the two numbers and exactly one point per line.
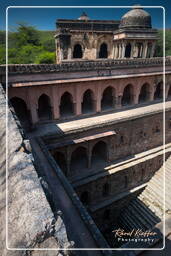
x=45, y=57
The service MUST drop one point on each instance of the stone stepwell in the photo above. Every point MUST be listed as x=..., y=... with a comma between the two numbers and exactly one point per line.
x=148, y=209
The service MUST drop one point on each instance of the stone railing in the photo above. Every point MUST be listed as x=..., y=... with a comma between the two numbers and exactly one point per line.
x=83, y=65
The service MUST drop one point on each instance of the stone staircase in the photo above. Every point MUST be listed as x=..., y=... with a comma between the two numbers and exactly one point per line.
x=147, y=209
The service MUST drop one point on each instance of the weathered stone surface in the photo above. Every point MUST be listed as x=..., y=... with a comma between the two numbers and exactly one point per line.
x=31, y=222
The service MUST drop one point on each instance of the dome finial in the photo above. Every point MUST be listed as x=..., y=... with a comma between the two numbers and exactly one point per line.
x=83, y=16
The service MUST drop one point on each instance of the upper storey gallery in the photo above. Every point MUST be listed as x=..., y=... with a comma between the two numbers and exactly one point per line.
x=86, y=39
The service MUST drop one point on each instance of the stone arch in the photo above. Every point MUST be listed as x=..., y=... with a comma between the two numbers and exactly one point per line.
x=128, y=50
x=99, y=153
x=87, y=103
x=106, y=189
x=44, y=107
x=21, y=110
x=66, y=105
x=61, y=160
x=79, y=159
x=158, y=94
x=108, y=98
x=77, y=51
x=85, y=198
x=103, y=52
x=127, y=97
x=144, y=93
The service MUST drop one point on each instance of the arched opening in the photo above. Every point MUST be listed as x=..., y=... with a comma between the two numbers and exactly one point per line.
x=106, y=189
x=44, y=107
x=85, y=197
x=79, y=159
x=66, y=105
x=107, y=101
x=99, y=153
x=127, y=95
x=60, y=159
x=128, y=51
x=106, y=215
x=125, y=181
x=87, y=104
x=21, y=111
x=144, y=93
x=103, y=51
x=77, y=53
x=159, y=91
x=169, y=92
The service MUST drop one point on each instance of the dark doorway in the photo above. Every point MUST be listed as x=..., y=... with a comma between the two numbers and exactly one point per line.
x=103, y=51
x=60, y=159
x=44, y=107
x=127, y=95
x=106, y=215
x=107, y=101
x=144, y=93
x=79, y=159
x=77, y=53
x=159, y=91
x=128, y=50
x=87, y=104
x=106, y=188
x=66, y=105
x=99, y=153
x=85, y=198
x=21, y=111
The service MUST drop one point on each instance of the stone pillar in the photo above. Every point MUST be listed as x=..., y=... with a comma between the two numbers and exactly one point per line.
x=132, y=49
x=55, y=103
x=118, y=102
x=77, y=108
x=152, y=50
x=123, y=50
x=120, y=52
x=34, y=113
x=151, y=94
x=97, y=104
x=135, y=98
x=145, y=47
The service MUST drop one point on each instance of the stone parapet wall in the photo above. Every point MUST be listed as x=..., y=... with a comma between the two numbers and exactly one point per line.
x=31, y=222
x=83, y=65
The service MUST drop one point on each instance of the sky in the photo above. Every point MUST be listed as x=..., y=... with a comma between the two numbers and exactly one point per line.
x=44, y=18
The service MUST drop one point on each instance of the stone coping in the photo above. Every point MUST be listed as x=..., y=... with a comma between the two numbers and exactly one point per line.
x=55, y=130
x=85, y=65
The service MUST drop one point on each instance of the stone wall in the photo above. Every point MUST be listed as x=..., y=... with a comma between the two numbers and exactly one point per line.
x=31, y=222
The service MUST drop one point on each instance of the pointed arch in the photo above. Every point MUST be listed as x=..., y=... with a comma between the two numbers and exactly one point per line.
x=144, y=93
x=103, y=52
x=79, y=159
x=21, y=111
x=127, y=95
x=159, y=91
x=44, y=107
x=66, y=105
x=99, y=153
x=87, y=103
x=77, y=52
x=108, y=98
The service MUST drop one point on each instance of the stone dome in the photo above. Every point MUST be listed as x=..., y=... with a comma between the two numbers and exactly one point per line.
x=136, y=18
